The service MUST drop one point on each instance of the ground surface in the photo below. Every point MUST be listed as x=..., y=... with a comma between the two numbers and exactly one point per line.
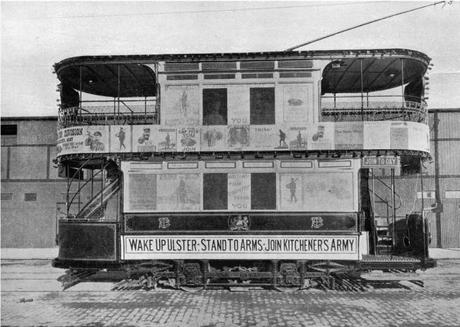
x=31, y=296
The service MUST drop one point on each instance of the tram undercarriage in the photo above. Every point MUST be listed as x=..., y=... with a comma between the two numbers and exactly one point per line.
x=279, y=275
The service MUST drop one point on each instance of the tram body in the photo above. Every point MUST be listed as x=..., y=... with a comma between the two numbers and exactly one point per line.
x=240, y=166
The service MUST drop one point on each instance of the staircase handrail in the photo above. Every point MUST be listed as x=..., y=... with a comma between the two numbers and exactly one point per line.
x=389, y=187
x=96, y=197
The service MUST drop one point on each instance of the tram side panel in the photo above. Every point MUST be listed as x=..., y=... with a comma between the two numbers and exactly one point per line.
x=242, y=210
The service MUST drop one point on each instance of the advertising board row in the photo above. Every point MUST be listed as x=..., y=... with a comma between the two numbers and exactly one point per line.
x=320, y=136
x=185, y=192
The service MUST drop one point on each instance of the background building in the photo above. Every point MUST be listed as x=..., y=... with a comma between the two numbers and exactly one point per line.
x=30, y=187
x=33, y=196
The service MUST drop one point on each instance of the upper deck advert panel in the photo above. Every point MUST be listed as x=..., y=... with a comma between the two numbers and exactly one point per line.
x=382, y=135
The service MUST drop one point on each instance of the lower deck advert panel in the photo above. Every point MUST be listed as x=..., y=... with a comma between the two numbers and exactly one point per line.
x=213, y=247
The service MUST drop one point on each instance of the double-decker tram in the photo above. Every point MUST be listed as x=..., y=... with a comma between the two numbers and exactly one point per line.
x=269, y=169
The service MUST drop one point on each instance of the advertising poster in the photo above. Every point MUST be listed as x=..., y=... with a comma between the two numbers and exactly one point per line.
x=297, y=138
x=348, y=136
x=85, y=139
x=179, y=192
x=263, y=137
x=239, y=192
x=182, y=105
x=238, y=105
x=238, y=137
x=376, y=135
x=144, y=138
x=120, y=137
x=142, y=192
x=321, y=136
x=291, y=138
x=419, y=137
x=322, y=189
x=296, y=104
x=96, y=139
x=213, y=138
x=290, y=190
x=70, y=140
x=399, y=138
x=166, y=139
x=188, y=139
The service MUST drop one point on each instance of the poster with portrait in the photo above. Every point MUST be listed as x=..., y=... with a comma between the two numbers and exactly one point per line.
x=238, y=137
x=143, y=138
x=297, y=103
x=179, y=192
x=348, y=135
x=321, y=136
x=188, y=139
x=213, y=138
x=120, y=138
x=181, y=105
x=96, y=139
x=239, y=192
x=290, y=191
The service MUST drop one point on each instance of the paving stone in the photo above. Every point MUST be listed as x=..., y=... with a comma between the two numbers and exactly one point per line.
x=94, y=304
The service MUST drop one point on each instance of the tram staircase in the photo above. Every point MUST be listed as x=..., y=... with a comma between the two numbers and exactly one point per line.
x=95, y=207
x=383, y=242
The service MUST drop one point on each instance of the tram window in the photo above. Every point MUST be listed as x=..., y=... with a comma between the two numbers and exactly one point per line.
x=215, y=107
x=410, y=165
x=263, y=191
x=262, y=101
x=215, y=191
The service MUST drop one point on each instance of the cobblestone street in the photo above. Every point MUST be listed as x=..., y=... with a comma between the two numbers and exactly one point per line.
x=31, y=296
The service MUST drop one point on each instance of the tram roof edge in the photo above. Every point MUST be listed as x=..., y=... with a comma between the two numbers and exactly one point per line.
x=311, y=54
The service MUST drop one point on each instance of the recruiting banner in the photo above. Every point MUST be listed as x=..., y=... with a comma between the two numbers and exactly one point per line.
x=337, y=247
x=84, y=139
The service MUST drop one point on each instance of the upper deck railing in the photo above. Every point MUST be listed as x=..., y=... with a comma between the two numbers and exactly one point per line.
x=107, y=112
x=372, y=108
x=333, y=109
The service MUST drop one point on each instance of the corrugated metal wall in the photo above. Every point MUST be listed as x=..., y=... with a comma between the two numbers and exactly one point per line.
x=441, y=182
x=445, y=137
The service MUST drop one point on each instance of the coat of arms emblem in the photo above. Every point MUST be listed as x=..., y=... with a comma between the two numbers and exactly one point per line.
x=239, y=223
x=317, y=222
x=163, y=223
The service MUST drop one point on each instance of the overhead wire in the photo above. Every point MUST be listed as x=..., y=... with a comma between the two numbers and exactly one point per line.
x=181, y=12
x=366, y=23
